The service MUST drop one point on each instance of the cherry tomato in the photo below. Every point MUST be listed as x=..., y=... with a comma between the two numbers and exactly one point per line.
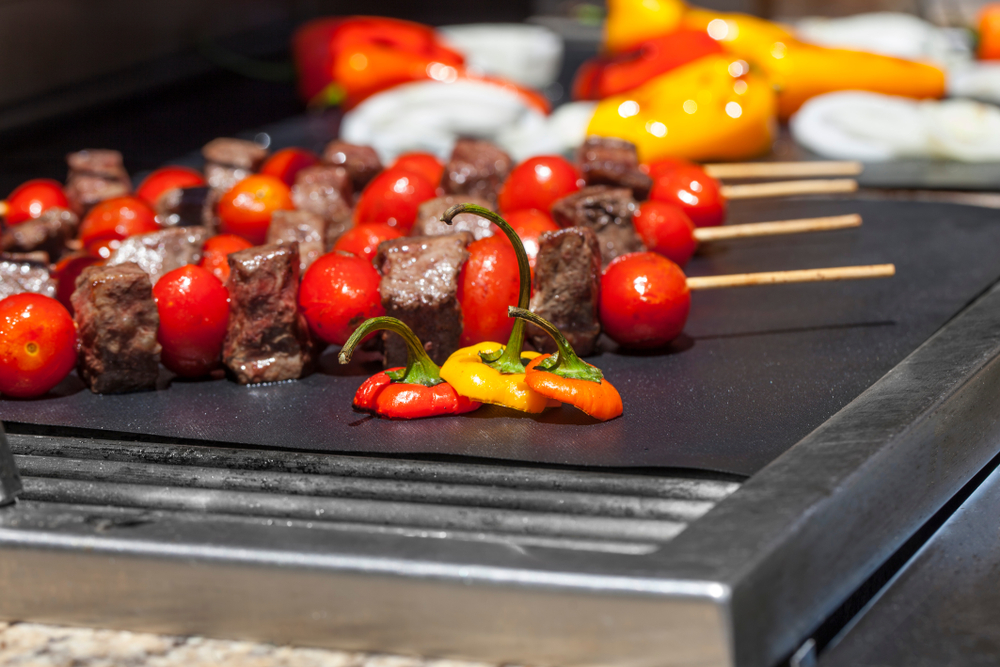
x=167, y=178
x=246, y=209
x=667, y=230
x=690, y=188
x=194, y=310
x=425, y=164
x=288, y=162
x=392, y=197
x=32, y=198
x=68, y=269
x=339, y=292
x=644, y=300
x=115, y=219
x=537, y=183
x=216, y=251
x=488, y=284
x=37, y=344
x=362, y=241
x=530, y=223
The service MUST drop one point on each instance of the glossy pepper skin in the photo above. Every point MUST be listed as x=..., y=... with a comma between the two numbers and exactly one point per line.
x=567, y=378
x=699, y=111
x=489, y=372
x=413, y=392
x=631, y=22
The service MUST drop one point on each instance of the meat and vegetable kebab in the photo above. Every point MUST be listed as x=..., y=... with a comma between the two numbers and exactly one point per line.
x=256, y=263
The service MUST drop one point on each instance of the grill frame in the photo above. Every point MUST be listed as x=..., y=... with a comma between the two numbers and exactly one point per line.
x=744, y=584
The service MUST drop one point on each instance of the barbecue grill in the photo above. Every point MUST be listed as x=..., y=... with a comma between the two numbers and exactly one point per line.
x=508, y=558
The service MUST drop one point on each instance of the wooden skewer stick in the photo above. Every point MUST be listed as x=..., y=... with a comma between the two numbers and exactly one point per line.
x=783, y=169
x=703, y=234
x=785, y=188
x=806, y=276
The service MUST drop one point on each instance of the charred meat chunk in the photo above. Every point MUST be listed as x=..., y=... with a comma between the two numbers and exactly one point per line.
x=567, y=287
x=47, y=233
x=229, y=161
x=360, y=162
x=95, y=175
x=188, y=207
x=420, y=287
x=607, y=212
x=157, y=253
x=116, y=322
x=429, y=221
x=476, y=168
x=22, y=272
x=325, y=191
x=611, y=161
x=302, y=227
x=267, y=340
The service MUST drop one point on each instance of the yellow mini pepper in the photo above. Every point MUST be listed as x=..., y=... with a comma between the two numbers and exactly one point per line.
x=490, y=372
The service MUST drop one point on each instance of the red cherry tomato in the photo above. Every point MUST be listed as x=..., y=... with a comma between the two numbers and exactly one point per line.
x=216, y=251
x=487, y=285
x=537, y=183
x=667, y=230
x=115, y=219
x=530, y=223
x=392, y=197
x=339, y=292
x=167, y=178
x=362, y=241
x=68, y=269
x=690, y=188
x=644, y=300
x=32, y=198
x=37, y=344
x=246, y=209
x=194, y=309
x=425, y=164
x=287, y=162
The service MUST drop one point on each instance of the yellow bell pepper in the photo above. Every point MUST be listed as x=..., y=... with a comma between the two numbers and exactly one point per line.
x=800, y=70
x=630, y=22
x=699, y=111
x=471, y=377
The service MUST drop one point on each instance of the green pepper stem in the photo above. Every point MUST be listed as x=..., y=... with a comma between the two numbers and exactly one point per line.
x=564, y=363
x=419, y=367
x=509, y=362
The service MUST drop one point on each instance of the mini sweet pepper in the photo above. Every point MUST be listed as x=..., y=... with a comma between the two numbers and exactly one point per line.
x=490, y=372
x=404, y=393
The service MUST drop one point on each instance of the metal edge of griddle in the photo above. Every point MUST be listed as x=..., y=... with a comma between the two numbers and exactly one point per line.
x=744, y=584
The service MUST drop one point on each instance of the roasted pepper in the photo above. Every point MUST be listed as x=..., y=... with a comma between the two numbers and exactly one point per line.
x=490, y=372
x=404, y=393
x=567, y=378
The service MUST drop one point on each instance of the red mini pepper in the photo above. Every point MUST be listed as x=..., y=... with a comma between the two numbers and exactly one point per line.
x=404, y=393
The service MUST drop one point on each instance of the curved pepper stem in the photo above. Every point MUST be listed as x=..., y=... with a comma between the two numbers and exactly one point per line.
x=509, y=361
x=565, y=363
x=419, y=367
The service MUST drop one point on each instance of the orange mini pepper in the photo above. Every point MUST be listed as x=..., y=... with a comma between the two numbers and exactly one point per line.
x=567, y=378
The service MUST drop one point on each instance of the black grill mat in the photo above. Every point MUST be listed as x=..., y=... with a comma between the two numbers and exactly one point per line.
x=757, y=370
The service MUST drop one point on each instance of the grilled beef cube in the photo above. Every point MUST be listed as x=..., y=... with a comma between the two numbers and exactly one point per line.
x=157, y=253
x=567, y=288
x=429, y=218
x=360, y=162
x=188, y=207
x=605, y=210
x=22, y=272
x=326, y=191
x=305, y=228
x=476, y=168
x=267, y=340
x=47, y=233
x=229, y=161
x=95, y=175
x=420, y=287
x=116, y=322
x=610, y=161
